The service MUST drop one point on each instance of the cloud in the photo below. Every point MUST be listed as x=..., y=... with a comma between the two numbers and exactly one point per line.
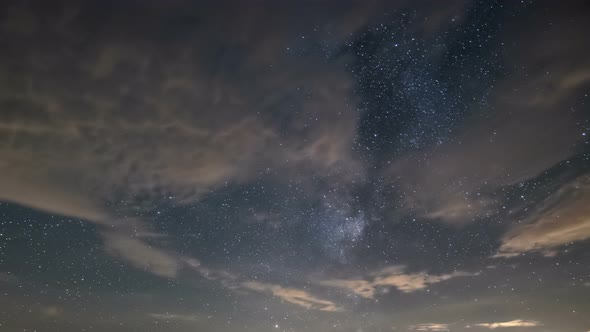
x=174, y=317
x=122, y=237
x=391, y=277
x=18, y=185
x=184, y=124
x=512, y=323
x=117, y=120
x=120, y=120
x=141, y=255
x=295, y=296
x=363, y=288
x=135, y=250
x=227, y=279
x=430, y=327
x=541, y=105
x=563, y=218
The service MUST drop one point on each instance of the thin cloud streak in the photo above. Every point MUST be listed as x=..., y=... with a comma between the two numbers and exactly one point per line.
x=512, y=323
x=430, y=327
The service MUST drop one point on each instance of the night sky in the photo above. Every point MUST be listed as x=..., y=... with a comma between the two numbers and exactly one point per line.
x=294, y=166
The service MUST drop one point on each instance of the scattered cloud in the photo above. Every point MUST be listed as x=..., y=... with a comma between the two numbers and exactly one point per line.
x=295, y=296
x=430, y=327
x=186, y=123
x=561, y=219
x=391, y=277
x=512, y=323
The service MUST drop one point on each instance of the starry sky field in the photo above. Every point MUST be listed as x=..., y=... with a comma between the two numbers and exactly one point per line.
x=260, y=166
